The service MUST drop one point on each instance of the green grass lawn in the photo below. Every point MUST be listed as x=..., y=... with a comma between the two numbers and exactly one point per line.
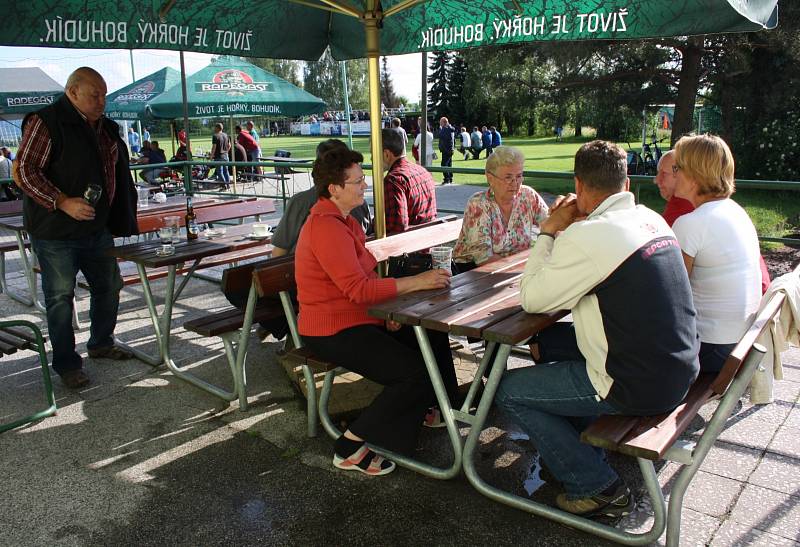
x=773, y=212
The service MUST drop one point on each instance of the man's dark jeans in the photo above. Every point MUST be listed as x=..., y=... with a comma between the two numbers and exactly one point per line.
x=447, y=161
x=60, y=261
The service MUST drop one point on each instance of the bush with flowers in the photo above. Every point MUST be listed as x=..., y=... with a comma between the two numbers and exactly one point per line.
x=771, y=150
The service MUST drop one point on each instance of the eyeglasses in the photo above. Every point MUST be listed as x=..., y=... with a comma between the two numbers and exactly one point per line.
x=509, y=179
x=358, y=181
x=676, y=168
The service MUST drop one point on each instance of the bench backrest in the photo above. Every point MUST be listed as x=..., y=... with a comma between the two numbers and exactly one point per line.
x=213, y=213
x=425, y=236
x=277, y=275
x=239, y=278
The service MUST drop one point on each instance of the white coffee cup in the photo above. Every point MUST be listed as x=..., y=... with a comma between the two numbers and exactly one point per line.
x=261, y=230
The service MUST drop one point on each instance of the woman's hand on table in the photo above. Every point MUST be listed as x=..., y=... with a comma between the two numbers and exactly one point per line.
x=392, y=326
x=432, y=279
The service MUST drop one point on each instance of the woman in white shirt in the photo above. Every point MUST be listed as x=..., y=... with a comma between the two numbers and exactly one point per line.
x=719, y=244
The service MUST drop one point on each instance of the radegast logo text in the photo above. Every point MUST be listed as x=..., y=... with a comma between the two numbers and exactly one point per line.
x=139, y=94
x=232, y=82
x=32, y=100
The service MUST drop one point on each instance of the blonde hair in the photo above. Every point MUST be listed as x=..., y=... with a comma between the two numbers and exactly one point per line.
x=707, y=160
x=502, y=156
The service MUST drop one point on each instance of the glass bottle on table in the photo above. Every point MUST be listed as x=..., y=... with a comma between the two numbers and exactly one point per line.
x=191, y=220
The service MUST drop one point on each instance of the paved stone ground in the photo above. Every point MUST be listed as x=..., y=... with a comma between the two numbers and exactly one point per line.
x=140, y=457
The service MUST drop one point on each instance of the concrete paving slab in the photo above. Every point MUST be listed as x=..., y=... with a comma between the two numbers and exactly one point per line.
x=770, y=511
x=786, y=442
x=778, y=472
x=731, y=461
x=734, y=534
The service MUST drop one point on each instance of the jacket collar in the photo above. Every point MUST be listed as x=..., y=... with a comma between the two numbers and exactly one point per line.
x=620, y=200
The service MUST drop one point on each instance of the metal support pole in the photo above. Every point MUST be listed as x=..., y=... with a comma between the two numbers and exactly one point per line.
x=187, y=168
x=423, y=104
x=346, y=93
x=372, y=19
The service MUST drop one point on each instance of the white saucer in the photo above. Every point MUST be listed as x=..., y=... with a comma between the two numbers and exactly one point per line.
x=161, y=253
x=254, y=236
x=211, y=234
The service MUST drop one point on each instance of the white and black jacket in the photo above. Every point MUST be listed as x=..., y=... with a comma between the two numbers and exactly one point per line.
x=622, y=274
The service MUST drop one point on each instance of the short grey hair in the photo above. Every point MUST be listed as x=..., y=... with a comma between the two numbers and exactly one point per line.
x=502, y=156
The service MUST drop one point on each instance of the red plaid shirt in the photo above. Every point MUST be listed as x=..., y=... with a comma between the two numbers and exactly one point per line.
x=410, y=196
x=33, y=159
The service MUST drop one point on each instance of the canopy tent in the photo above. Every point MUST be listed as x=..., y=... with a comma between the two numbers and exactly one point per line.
x=24, y=90
x=129, y=102
x=302, y=29
x=232, y=87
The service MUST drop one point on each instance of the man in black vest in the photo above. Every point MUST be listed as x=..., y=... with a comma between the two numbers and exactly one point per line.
x=66, y=148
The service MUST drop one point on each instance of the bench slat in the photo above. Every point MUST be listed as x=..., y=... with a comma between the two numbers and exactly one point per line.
x=231, y=319
x=521, y=326
x=414, y=240
x=14, y=341
x=12, y=246
x=25, y=334
x=304, y=356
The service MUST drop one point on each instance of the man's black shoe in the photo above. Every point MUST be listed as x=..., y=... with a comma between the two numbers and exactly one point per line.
x=75, y=379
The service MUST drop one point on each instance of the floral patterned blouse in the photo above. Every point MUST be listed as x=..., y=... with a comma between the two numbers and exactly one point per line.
x=483, y=234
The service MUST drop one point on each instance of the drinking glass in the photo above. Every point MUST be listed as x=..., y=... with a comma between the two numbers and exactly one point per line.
x=92, y=194
x=174, y=224
x=167, y=238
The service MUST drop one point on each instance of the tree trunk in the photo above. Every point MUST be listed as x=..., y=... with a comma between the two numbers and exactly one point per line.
x=578, y=121
x=682, y=119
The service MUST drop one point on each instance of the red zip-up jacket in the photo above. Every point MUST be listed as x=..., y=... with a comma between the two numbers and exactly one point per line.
x=335, y=274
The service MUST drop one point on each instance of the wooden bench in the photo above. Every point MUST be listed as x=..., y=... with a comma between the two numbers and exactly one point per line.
x=14, y=336
x=654, y=438
x=276, y=278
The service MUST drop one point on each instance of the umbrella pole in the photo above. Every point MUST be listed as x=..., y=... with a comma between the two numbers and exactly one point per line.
x=345, y=91
x=233, y=152
x=371, y=20
x=187, y=168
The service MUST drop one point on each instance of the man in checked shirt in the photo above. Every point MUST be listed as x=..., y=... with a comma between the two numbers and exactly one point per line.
x=409, y=189
x=66, y=147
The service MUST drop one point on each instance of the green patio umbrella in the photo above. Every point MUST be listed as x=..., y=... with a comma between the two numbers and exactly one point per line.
x=232, y=87
x=129, y=102
x=302, y=29
x=24, y=90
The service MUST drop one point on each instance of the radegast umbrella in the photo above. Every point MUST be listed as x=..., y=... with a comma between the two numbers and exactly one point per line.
x=24, y=90
x=232, y=87
x=129, y=102
x=302, y=29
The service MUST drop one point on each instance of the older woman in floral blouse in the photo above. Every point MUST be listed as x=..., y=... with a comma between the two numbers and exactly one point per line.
x=504, y=219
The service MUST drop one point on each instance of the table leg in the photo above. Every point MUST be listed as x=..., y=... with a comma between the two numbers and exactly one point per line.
x=445, y=407
x=547, y=511
x=30, y=276
x=162, y=326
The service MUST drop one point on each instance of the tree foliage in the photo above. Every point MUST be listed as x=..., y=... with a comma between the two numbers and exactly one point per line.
x=282, y=68
x=323, y=79
x=438, y=78
x=388, y=96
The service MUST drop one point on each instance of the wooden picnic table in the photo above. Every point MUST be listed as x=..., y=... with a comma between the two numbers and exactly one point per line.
x=143, y=254
x=482, y=303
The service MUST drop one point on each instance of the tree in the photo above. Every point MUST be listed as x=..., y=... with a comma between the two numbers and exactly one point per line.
x=439, y=92
x=282, y=68
x=323, y=79
x=388, y=96
x=458, y=77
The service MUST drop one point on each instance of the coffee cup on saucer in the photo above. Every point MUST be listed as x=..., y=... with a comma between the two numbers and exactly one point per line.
x=261, y=230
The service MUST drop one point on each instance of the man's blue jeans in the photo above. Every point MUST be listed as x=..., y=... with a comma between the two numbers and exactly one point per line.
x=553, y=402
x=60, y=261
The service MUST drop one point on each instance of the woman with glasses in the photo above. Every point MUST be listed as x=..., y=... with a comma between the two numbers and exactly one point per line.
x=719, y=244
x=336, y=284
x=504, y=219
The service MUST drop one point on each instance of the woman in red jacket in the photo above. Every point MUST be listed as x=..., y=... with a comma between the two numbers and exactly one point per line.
x=336, y=284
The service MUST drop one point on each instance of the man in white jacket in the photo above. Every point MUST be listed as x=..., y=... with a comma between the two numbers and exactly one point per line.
x=633, y=346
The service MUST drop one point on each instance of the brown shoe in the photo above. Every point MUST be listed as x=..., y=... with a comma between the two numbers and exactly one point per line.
x=75, y=379
x=111, y=352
